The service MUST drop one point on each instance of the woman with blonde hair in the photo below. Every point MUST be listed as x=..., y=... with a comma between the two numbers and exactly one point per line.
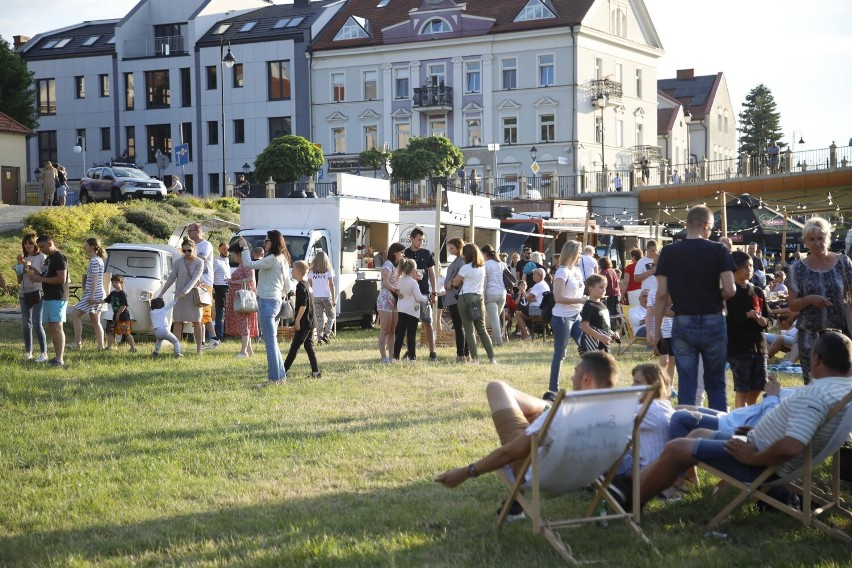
x=568, y=301
x=93, y=295
x=817, y=288
x=321, y=280
x=408, y=307
x=47, y=180
x=471, y=284
x=495, y=292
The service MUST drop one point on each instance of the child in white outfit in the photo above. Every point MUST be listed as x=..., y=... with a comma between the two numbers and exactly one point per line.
x=160, y=316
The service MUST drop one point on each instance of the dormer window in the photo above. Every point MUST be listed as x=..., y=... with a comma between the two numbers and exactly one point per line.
x=50, y=44
x=436, y=26
x=248, y=26
x=355, y=28
x=295, y=21
x=536, y=10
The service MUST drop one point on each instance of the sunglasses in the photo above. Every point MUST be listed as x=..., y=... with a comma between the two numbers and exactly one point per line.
x=187, y=251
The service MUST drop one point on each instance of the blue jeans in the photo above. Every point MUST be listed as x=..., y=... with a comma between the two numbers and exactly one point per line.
x=707, y=336
x=220, y=294
x=31, y=318
x=561, y=326
x=266, y=311
x=685, y=421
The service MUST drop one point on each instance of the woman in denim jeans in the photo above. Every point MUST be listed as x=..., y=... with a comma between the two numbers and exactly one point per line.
x=569, y=300
x=31, y=315
x=273, y=285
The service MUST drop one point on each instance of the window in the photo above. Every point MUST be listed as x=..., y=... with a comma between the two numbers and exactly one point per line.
x=186, y=136
x=720, y=125
x=510, y=130
x=104, y=84
x=214, y=182
x=212, y=132
x=62, y=42
x=239, y=131
x=547, y=128
x=91, y=41
x=618, y=22
x=221, y=28
x=639, y=83
x=726, y=121
x=79, y=87
x=472, y=77
x=371, y=136
x=248, y=26
x=437, y=74
x=402, y=134
x=400, y=82
x=338, y=137
x=185, y=87
x=338, y=87
x=130, y=135
x=618, y=73
x=510, y=73
x=437, y=126
x=598, y=68
x=598, y=129
x=619, y=132
x=47, y=146
x=474, y=131
x=46, y=89
x=355, y=28
x=546, y=73
x=80, y=133
x=370, y=85
x=281, y=23
x=279, y=80
x=295, y=21
x=279, y=126
x=129, y=92
x=158, y=93
x=436, y=26
x=159, y=138
x=534, y=10
x=238, y=75
x=105, y=141
x=211, y=77
x=639, y=141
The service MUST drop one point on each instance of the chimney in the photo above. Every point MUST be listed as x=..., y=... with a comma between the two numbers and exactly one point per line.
x=686, y=73
x=19, y=40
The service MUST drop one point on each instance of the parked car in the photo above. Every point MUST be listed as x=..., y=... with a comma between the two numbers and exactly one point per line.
x=510, y=191
x=116, y=182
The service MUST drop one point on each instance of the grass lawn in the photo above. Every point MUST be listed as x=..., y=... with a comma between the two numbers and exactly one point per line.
x=123, y=460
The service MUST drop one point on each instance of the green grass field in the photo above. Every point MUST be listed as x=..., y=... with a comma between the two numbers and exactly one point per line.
x=123, y=460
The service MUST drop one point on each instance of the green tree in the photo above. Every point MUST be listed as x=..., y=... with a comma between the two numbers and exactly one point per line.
x=288, y=158
x=373, y=158
x=430, y=156
x=17, y=97
x=760, y=122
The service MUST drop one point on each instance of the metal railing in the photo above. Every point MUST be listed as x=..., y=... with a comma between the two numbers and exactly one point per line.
x=158, y=46
x=432, y=96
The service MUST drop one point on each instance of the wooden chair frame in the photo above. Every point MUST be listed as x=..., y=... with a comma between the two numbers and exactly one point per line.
x=626, y=346
x=600, y=483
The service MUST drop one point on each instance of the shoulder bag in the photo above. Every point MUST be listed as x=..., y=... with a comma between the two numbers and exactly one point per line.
x=33, y=298
x=201, y=297
x=245, y=301
x=474, y=310
x=509, y=279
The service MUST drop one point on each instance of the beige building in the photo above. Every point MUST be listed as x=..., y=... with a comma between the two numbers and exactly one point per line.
x=13, y=159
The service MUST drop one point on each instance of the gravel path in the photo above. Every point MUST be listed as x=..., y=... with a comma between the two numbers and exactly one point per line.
x=12, y=216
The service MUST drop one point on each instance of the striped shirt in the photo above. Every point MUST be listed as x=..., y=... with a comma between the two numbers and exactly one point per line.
x=653, y=434
x=800, y=416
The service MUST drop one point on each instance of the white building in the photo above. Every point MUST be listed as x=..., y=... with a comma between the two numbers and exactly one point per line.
x=519, y=73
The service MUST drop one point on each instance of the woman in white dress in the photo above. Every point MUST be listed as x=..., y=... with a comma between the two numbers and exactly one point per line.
x=93, y=296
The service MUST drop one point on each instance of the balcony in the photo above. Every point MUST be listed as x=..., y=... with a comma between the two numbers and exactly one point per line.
x=431, y=98
x=155, y=47
x=604, y=88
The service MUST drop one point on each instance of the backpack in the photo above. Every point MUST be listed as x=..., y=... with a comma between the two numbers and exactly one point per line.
x=547, y=304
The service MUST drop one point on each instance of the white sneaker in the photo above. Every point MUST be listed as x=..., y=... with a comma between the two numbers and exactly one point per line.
x=214, y=343
x=28, y=356
x=241, y=355
x=42, y=358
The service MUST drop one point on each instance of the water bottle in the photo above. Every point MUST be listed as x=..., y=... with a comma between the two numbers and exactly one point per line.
x=601, y=511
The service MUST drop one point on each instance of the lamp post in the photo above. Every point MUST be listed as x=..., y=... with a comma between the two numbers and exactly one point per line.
x=493, y=148
x=246, y=169
x=687, y=119
x=601, y=103
x=81, y=147
x=228, y=61
x=533, y=154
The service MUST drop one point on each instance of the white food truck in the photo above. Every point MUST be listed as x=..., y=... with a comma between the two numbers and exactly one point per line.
x=360, y=217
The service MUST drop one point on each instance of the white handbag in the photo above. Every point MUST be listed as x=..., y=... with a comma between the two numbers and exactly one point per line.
x=245, y=301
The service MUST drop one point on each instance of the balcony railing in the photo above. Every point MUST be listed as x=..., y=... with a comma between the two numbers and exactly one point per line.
x=155, y=47
x=433, y=97
x=604, y=88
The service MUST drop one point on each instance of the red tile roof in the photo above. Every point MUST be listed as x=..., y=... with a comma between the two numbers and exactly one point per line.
x=9, y=124
x=568, y=12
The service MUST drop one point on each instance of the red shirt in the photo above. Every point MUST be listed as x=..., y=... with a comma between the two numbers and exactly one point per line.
x=632, y=284
x=613, y=288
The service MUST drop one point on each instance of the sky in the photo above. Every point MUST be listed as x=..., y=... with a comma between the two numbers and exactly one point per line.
x=800, y=51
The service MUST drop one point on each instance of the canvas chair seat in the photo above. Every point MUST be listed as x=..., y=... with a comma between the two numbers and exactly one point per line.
x=628, y=331
x=581, y=443
x=800, y=481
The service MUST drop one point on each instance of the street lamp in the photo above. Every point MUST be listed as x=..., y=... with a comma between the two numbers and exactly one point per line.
x=81, y=147
x=601, y=104
x=687, y=119
x=494, y=148
x=228, y=61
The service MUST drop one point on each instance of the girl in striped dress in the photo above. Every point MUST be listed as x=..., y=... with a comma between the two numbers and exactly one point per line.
x=93, y=295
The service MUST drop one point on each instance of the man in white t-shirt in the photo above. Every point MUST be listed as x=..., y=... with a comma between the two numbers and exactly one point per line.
x=588, y=264
x=646, y=269
x=533, y=307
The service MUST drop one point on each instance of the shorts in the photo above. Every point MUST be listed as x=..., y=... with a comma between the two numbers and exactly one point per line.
x=207, y=311
x=510, y=423
x=749, y=370
x=530, y=311
x=122, y=328
x=53, y=311
x=712, y=452
x=426, y=313
x=664, y=346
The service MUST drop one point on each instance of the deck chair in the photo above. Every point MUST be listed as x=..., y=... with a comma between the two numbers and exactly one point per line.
x=628, y=331
x=800, y=481
x=581, y=443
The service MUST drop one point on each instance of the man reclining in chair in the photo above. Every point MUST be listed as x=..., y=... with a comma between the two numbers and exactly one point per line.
x=518, y=415
x=779, y=438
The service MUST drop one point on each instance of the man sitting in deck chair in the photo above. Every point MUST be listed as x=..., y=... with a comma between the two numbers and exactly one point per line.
x=780, y=438
x=514, y=411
